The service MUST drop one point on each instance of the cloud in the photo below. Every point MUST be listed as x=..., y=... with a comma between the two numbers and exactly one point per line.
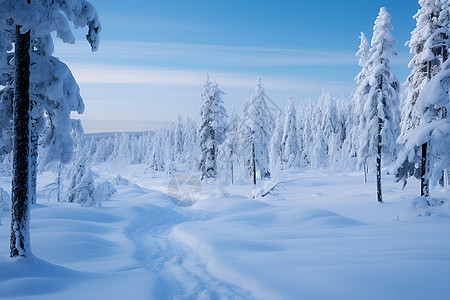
x=199, y=54
x=126, y=75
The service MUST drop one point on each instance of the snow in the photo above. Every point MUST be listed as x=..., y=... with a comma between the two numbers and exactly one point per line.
x=316, y=235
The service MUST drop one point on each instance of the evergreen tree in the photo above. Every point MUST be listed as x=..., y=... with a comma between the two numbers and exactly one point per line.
x=364, y=55
x=33, y=23
x=377, y=129
x=434, y=129
x=429, y=43
x=357, y=101
x=319, y=151
x=212, y=127
x=255, y=136
x=228, y=151
x=289, y=140
x=276, y=146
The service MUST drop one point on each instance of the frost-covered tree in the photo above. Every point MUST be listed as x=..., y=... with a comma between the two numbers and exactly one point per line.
x=276, y=146
x=357, y=101
x=364, y=55
x=228, y=151
x=434, y=129
x=289, y=140
x=319, y=149
x=212, y=127
x=190, y=147
x=377, y=132
x=255, y=135
x=308, y=130
x=429, y=43
x=179, y=141
x=82, y=187
x=33, y=22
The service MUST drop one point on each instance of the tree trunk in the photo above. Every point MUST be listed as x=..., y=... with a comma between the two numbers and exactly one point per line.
x=58, y=183
x=424, y=182
x=379, y=194
x=254, y=163
x=365, y=173
x=20, y=233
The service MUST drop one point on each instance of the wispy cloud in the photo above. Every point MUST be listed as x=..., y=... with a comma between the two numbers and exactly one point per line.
x=173, y=53
x=126, y=75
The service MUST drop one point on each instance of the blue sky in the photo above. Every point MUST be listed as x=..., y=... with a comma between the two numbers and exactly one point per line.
x=154, y=54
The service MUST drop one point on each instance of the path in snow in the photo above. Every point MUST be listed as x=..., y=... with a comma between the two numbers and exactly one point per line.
x=180, y=272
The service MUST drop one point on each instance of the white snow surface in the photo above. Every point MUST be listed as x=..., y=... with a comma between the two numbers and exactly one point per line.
x=317, y=235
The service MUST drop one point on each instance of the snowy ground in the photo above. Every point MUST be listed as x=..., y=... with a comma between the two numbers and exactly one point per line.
x=319, y=235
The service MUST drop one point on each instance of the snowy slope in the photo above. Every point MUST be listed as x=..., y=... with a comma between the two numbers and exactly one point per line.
x=318, y=235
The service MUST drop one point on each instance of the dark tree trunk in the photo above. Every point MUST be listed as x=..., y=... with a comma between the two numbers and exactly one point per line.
x=424, y=182
x=19, y=240
x=365, y=173
x=254, y=163
x=379, y=194
x=232, y=167
x=58, y=183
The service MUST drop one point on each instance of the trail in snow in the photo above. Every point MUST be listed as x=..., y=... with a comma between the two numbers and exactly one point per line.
x=180, y=272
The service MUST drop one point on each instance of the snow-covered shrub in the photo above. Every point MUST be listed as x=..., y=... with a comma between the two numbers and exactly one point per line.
x=81, y=186
x=83, y=192
x=119, y=180
x=104, y=191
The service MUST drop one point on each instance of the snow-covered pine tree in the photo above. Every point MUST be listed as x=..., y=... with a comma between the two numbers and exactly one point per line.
x=190, y=147
x=429, y=43
x=308, y=136
x=179, y=141
x=276, y=146
x=364, y=55
x=289, y=140
x=256, y=134
x=81, y=186
x=228, y=151
x=319, y=148
x=212, y=128
x=434, y=129
x=377, y=129
x=33, y=23
x=357, y=101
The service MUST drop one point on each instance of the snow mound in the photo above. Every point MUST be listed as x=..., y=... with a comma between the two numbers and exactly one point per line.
x=39, y=278
x=428, y=207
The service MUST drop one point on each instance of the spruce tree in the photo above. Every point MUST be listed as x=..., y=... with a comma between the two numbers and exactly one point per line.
x=256, y=133
x=289, y=140
x=377, y=128
x=34, y=22
x=429, y=43
x=212, y=128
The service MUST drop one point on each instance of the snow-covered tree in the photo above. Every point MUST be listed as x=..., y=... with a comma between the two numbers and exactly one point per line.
x=434, y=129
x=82, y=187
x=429, y=43
x=357, y=101
x=364, y=55
x=276, y=146
x=228, y=151
x=33, y=22
x=289, y=140
x=212, y=127
x=319, y=147
x=178, y=141
x=377, y=131
x=255, y=135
